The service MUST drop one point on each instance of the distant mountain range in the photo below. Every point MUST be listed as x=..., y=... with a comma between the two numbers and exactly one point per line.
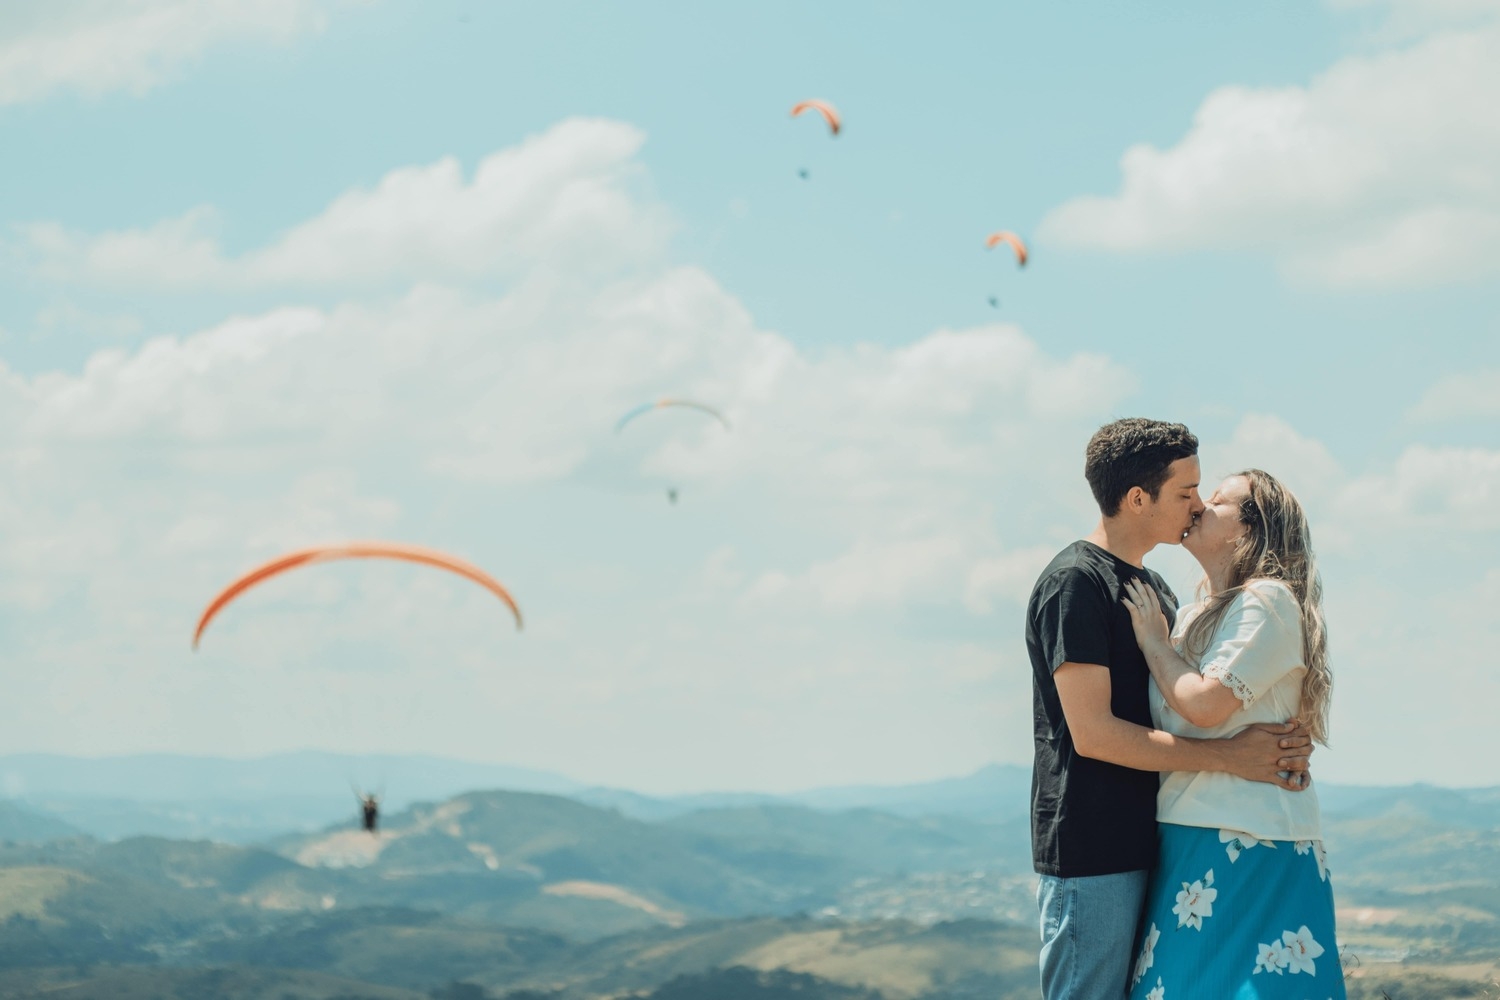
x=21, y=825
x=180, y=778
x=533, y=896
x=239, y=801
x=248, y=801
x=516, y=859
x=994, y=792
x=251, y=801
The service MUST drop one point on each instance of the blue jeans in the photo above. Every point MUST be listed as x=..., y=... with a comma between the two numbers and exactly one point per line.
x=1088, y=934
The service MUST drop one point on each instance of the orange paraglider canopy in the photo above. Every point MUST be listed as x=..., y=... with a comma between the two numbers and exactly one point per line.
x=828, y=111
x=995, y=239
x=354, y=550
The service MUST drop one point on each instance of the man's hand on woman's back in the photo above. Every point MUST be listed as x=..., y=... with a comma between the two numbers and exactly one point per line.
x=1275, y=754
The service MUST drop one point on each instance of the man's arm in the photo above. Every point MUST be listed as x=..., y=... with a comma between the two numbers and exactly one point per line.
x=1260, y=753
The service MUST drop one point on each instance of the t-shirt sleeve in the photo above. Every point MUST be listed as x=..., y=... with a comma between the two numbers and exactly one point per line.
x=1257, y=644
x=1072, y=624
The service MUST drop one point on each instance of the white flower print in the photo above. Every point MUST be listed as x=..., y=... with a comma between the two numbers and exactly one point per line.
x=1195, y=902
x=1273, y=957
x=1236, y=843
x=1320, y=855
x=1160, y=993
x=1301, y=950
x=1148, y=954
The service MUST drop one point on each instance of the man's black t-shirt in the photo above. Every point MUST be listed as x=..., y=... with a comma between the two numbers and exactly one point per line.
x=1088, y=817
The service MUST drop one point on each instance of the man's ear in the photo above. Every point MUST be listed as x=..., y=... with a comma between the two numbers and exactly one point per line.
x=1135, y=500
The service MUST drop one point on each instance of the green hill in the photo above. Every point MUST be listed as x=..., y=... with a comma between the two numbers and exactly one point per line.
x=739, y=983
x=195, y=864
x=61, y=915
x=900, y=960
x=198, y=877
x=521, y=857
x=400, y=947
x=21, y=825
x=1466, y=808
x=827, y=849
x=126, y=983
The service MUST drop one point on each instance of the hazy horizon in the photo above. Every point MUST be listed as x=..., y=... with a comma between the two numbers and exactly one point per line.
x=575, y=785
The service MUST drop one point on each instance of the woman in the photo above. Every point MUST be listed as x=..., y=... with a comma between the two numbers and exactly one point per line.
x=1240, y=905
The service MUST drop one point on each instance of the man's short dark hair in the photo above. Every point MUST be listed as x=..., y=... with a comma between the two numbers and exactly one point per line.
x=1133, y=452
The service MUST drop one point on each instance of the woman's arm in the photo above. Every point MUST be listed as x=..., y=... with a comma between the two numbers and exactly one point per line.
x=1200, y=700
x=1273, y=753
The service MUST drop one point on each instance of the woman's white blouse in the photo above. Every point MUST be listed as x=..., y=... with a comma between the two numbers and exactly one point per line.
x=1256, y=652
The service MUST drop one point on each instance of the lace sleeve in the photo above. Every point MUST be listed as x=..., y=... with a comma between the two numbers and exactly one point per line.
x=1258, y=642
x=1225, y=676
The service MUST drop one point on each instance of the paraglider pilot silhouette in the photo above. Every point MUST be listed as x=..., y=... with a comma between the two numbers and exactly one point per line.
x=369, y=804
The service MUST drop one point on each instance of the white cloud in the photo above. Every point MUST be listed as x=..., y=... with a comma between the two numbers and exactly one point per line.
x=1264, y=441
x=70, y=320
x=1402, y=508
x=566, y=192
x=1462, y=396
x=1379, y=172
x=170, y=389
x=96, y=46
x=1451, y=491
x=848, y=561
x=913, y=464
x=869, y=574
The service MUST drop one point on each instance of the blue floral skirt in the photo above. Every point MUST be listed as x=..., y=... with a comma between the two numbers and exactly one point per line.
x=1229, y=917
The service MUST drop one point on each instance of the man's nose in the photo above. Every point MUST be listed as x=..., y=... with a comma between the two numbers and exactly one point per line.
x=1198, y=507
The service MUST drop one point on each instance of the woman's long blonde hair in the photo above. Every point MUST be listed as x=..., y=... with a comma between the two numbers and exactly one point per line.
x=1277, y=545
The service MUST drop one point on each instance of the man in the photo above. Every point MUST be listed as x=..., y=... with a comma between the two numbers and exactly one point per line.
x=1097, y=756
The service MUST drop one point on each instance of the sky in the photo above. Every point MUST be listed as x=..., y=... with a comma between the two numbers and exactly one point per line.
x=276, y=273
